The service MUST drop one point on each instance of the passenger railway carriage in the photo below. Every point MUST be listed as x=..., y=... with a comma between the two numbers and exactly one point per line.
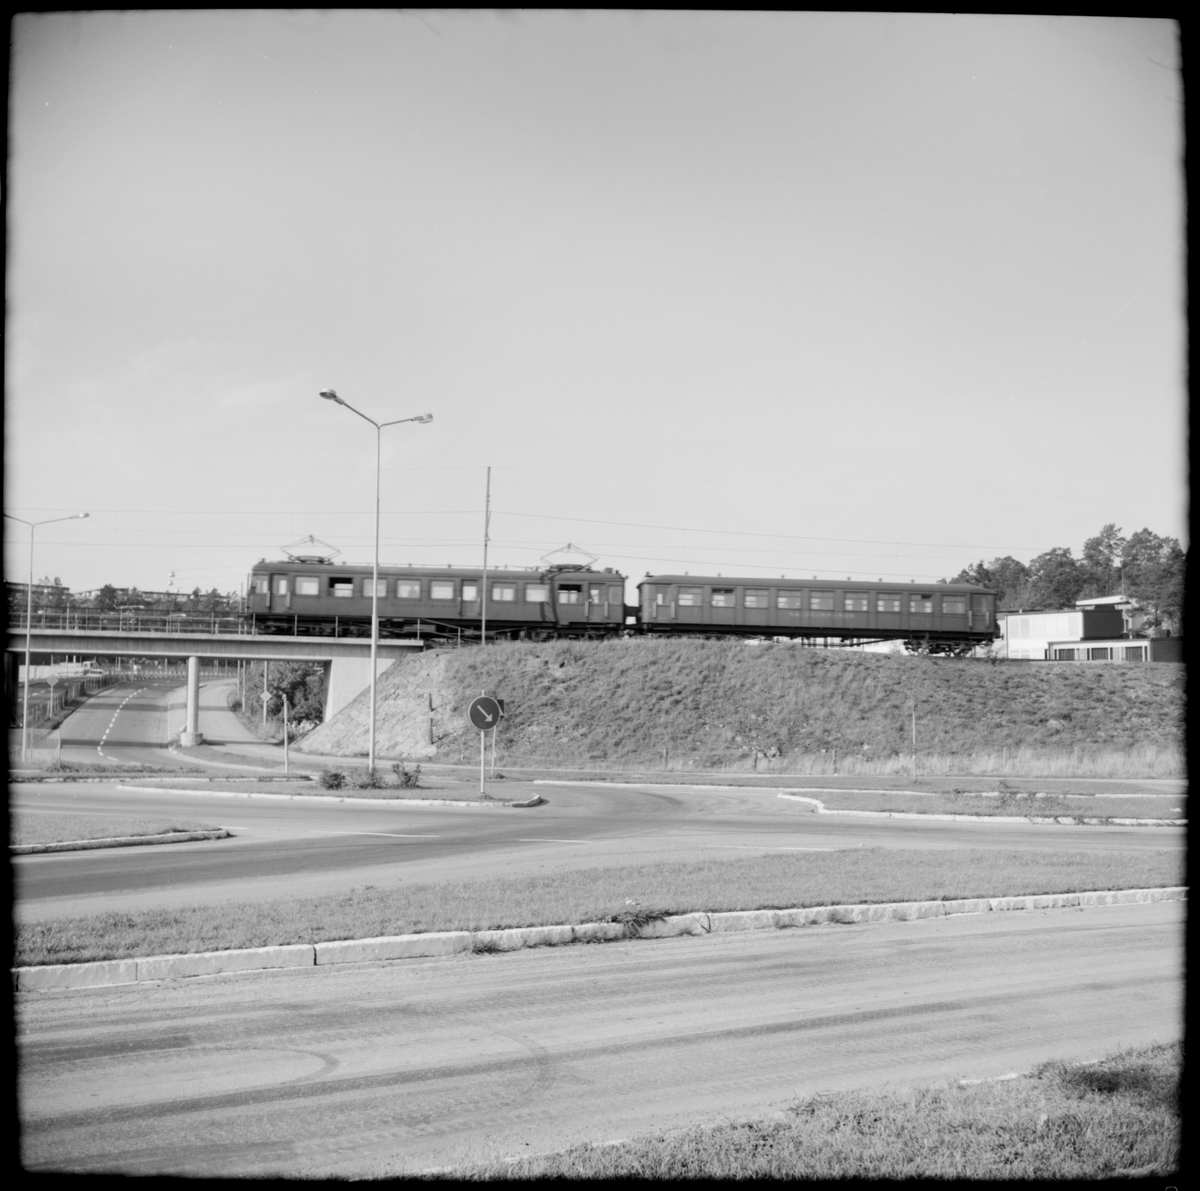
x=314, y=596
x=943, y=617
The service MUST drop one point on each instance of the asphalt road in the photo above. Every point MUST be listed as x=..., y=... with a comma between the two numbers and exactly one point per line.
x=383, y=1069
x=281, y=847
x=129, y=723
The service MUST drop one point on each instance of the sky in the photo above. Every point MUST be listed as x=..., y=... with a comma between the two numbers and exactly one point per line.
x=753, y=294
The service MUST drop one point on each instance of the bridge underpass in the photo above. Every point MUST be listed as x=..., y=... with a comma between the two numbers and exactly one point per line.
x=345, y=661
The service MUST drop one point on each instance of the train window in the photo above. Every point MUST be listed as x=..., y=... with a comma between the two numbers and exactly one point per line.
x=954, y=605
x=690, y=597
x=441, y=589
x=616, y=595
x=537, y=593
x=408, y=589
x=262, y=585
x=789, y=599
x=722, y=597
x=505, y=593
x=570, y=593
x=920, y=603
x=821, y=601
x=366, y=589
x=885, y=602
x=281, y=586
x=342, y=587
x=854, y=603
x=595, y=594
x=308, y=585
x=756, y=597
x=470, y=591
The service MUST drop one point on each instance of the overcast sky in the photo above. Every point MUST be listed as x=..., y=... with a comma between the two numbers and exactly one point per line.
x=739, y=293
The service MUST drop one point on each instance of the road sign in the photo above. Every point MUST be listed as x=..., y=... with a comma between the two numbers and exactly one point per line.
x=484, y=712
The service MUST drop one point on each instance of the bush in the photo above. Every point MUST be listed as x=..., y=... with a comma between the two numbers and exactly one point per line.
x=368, y=779
x=408, y=779
x=331, y=779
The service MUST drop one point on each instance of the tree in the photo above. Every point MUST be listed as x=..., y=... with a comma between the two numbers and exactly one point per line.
x=303, y=684
x=1055, y=578
x=1153, y=570
x=1101, y=562
x=1007, y=577
x=106, y=598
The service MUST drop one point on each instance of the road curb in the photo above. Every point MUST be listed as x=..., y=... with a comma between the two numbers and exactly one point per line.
x=120, y=841
x=537, y=800
x=104, y=973
x=1064, y=820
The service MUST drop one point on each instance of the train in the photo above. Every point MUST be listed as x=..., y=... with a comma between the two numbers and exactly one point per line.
x=311, y=595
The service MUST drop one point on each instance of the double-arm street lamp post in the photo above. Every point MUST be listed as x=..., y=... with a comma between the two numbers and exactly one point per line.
x=29, y=621
x=331, y=395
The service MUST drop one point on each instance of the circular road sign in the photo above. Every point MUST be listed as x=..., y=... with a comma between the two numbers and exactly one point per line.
x=484, y=713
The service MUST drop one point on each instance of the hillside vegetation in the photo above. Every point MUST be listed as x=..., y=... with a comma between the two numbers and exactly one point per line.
x=683, y=704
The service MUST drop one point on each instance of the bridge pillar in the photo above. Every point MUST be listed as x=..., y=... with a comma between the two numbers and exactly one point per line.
x=191, y=734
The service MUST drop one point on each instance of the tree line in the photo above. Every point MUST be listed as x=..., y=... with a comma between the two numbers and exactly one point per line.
x=1143, y=566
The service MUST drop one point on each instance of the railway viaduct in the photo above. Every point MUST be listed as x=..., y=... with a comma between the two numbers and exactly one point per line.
x=346, y=660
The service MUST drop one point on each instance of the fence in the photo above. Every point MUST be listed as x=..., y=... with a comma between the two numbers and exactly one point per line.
x=43, y=746
x=60, y=696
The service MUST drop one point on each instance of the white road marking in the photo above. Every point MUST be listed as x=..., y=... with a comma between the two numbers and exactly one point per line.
x=385, y=834
x=113, y=721
x=547, y=840
x=773, y=847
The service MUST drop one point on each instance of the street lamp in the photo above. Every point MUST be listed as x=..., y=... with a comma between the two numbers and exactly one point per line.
x=29, y=621
x=331, y=395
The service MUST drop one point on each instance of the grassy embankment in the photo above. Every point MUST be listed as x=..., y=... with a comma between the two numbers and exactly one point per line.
x=1116, y=1118
x=861, y=875
x=685, y=705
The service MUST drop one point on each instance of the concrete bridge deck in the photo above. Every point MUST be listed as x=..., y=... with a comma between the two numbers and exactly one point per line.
x=143, y=644
x=346, y=661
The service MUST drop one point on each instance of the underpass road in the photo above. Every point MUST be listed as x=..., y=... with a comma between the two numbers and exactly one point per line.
x=390, y=1068
x=128, y=723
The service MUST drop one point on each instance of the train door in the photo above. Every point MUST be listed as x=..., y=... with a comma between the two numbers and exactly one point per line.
x=280, y=599
x=569, y=600
x=660, y=608
x=601, y=598
x=469, y=607
x=981, y=613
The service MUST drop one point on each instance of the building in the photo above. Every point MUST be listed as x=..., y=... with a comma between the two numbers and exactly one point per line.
x=1100, y=629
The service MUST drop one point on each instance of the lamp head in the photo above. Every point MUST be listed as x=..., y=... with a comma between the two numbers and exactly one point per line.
x=423, y=418
x=331, y=395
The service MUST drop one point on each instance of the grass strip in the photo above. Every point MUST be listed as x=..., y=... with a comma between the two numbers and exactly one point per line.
x=1116, y=1118
x=55, y=828
x=591, y=895
x=1008, y=803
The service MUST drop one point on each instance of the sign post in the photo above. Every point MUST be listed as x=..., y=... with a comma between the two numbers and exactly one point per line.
x=484, y=713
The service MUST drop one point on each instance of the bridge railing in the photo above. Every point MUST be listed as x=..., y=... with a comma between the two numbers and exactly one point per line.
x=86, y=620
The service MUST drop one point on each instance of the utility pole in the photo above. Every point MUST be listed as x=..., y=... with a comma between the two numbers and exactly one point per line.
x=487, y=517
